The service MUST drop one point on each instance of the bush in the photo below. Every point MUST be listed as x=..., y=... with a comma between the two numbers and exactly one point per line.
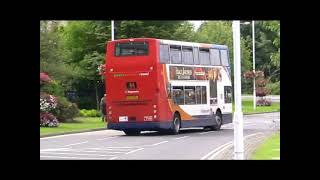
x=53, y=88
x=66, y=110
x=264, y=102
x=47, y=102
x=274, y=88
x=89, y=113
x=48, y=120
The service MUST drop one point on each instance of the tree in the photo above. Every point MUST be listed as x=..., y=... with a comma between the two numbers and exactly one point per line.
x=85, y=42
x=267, y=38
x=53, y=53
x=220, y=32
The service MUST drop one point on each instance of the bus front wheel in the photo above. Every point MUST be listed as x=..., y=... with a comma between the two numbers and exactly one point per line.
x=131, y=132
x=176, y=124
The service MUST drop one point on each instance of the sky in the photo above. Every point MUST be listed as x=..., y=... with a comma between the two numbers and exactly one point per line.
x=196, y=24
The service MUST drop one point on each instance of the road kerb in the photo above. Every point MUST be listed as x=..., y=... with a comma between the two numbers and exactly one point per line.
x=72, y=132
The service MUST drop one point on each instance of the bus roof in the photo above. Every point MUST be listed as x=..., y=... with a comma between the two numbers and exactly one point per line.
x=182, y=43
x=193, y=44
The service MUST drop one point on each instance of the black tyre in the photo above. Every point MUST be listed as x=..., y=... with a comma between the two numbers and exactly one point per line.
x=176, y=122
x=218, y=122
x=131, y=132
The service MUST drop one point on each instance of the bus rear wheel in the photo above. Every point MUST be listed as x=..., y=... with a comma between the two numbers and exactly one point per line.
x=176, y=124
x=131, y=132
x=218, y=122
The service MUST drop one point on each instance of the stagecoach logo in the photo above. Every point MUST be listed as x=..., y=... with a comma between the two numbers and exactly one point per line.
x=131, y=92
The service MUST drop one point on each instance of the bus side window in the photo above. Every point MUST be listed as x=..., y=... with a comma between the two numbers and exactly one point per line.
x=224, y=58
x=204, y=95
x=198, y=95
x=175, y=53
x=189, y=95
x=215, y=57
x=187, y=55
x=164, y=54
x=204, y=56
x=196, y=55
x=178, y=95
x=227, y=94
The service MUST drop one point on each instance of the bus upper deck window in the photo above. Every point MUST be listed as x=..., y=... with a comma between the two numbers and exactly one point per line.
x=131, y=49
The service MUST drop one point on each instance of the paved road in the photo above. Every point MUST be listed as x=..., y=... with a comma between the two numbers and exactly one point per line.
x=114, y=145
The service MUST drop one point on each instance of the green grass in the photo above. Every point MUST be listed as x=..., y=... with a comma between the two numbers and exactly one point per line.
x=81, y=123
x=247, y=107
x=269, y=149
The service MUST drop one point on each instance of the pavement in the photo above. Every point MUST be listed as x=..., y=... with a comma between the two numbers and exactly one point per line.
x=192, y=143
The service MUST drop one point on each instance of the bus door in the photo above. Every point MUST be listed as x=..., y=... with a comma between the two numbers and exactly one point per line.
x=213, y=92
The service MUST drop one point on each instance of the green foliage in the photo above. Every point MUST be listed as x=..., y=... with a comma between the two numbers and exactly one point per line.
x=66, y=111
x=220, y=32
x=174, y=30
x=53, y=54
x=267, y=46
x=274, y=88
x=89, y=113
x=53, y=88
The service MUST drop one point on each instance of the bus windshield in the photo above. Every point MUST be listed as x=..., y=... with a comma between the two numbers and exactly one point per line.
x=132, y=49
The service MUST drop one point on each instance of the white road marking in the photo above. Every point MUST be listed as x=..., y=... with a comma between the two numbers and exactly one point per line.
x=159, y=143
x=56, y=149
x=79, y=150
x=181, y=137
x=215, y=150
x=108, y=149
x=68, y=157
x=134, y=151
x=76, y=143
x=205, y=132
x=107, y=138
x=219, y=149
x=121, y=147
x=76, y=154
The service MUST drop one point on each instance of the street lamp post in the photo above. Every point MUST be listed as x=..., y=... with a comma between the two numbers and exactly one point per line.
x=254, y=66
x=238, y=115
x=112, y=30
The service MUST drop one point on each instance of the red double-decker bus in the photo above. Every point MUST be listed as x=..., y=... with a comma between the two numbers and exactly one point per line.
x=155, y=84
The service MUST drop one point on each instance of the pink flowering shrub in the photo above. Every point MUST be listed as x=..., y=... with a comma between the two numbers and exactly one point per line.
x=47, y=102
x=44, y=78
x=264, y=102
x=48, y=120
x=101, y=69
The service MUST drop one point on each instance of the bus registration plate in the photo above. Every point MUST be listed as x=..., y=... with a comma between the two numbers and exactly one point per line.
x=132, y=97
x=123, y=118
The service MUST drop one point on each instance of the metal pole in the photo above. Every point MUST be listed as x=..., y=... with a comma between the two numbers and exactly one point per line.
x=254, y=67
x=112, y=30
x=238, y=116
